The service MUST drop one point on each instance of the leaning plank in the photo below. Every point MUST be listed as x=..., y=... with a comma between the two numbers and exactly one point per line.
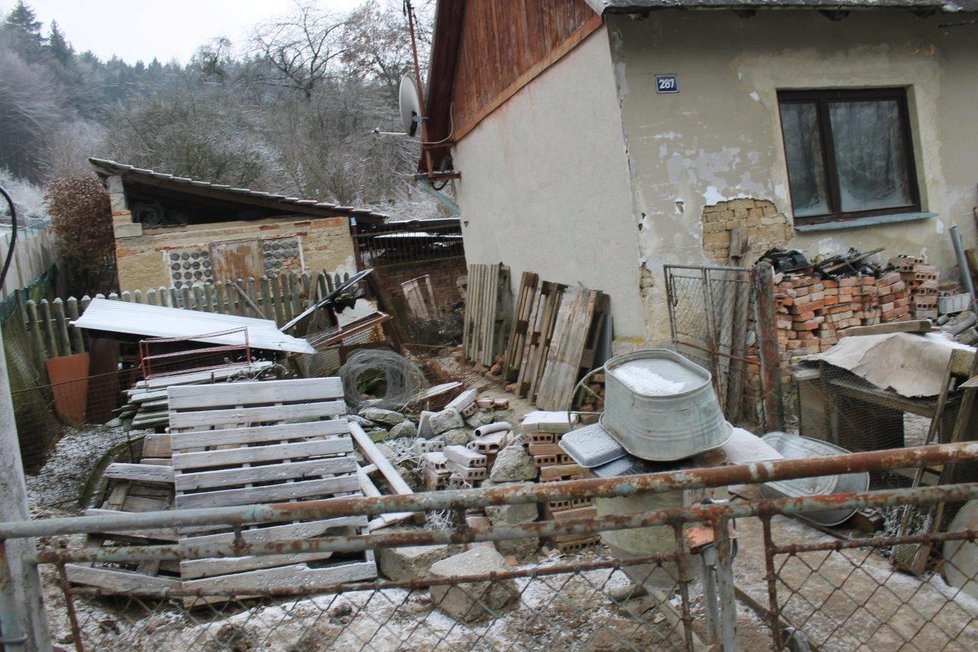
x=269, y=494
x=182, y=441
x=378, y=459
x=152, y=473
x=210, y=418
x=196, y=377
x=116, y=580
x=370, y=490
x=266, y=473
x=227, y=457
x=231, y=394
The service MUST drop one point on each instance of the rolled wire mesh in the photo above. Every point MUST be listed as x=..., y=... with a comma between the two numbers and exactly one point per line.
x=374, y=370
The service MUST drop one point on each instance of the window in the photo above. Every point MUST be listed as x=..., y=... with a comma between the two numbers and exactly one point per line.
x=849, y=153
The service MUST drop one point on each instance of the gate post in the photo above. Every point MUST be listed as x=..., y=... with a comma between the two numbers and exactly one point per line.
x=762, y=279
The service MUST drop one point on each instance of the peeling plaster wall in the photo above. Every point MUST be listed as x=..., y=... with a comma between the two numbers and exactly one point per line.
x=544, y=185
x=719, y=138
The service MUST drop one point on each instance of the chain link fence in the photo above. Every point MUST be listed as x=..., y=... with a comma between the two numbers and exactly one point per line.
x=738, y=574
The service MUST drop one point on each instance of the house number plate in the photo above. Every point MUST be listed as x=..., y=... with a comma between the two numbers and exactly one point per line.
x=667, y=83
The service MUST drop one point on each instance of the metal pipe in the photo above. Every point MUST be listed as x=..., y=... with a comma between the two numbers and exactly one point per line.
x=720, y=476
x=473, y=534
x=963, y=264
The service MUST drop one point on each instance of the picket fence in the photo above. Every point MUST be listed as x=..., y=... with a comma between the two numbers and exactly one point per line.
x=279, y=298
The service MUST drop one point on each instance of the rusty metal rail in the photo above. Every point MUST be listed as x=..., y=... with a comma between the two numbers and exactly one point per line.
x=789, y=567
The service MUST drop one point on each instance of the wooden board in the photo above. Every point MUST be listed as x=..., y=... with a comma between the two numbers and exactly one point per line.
x=521, y=323
x=563, y=366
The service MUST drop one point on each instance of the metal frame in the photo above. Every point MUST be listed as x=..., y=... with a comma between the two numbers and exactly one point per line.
x=716, y=515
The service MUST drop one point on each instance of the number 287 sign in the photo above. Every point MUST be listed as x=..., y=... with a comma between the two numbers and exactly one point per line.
x=667, y=83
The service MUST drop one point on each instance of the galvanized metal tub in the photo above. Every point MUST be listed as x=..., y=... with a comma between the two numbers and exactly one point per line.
x=798, y=447
x=662, y=407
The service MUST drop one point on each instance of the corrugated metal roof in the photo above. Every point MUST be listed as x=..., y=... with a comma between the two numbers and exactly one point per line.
x=624, y=6
x=159, y=321
x=112, y=168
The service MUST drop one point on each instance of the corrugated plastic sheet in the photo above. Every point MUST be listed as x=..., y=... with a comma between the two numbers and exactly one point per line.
x=159, y=321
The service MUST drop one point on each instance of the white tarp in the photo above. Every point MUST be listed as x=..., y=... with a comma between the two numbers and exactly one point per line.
x=912, y=365
x=159, y=321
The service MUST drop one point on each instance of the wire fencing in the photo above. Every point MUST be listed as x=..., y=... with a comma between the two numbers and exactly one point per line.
x=737, y=574
x=715, y=321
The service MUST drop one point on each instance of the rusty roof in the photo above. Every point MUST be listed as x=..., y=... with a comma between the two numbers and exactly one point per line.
x=132, y=174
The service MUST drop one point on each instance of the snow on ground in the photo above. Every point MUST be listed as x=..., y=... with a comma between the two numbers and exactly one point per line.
x=58, y=484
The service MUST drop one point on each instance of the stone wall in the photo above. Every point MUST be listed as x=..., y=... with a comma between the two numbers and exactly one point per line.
x=758, y=220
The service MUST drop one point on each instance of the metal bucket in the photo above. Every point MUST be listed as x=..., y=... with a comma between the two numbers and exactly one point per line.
x=662, y=407
x=798, y=447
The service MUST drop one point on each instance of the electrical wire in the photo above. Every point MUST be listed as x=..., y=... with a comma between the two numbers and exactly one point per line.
x=13, y=235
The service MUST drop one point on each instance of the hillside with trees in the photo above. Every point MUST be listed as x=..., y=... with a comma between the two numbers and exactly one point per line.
x=290, y=110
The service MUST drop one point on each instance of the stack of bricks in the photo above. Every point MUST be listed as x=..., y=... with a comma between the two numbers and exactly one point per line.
x=542, y=431
x=813, y=313
x=467, y=466
x=922, y=281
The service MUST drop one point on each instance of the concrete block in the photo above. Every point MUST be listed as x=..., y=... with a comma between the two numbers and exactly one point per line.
x=475, y=601
x=129, y=230
x=457, y=436
x=513, y=464
x=405, y=429
x=381, y=416
x=413, y=562
x=440, y=422
x=512, y=514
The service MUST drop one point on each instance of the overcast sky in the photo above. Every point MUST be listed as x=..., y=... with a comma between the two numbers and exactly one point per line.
x=166, y=29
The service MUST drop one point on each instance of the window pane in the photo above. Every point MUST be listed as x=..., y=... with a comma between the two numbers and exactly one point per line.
x=806, y=168
x=870, y=155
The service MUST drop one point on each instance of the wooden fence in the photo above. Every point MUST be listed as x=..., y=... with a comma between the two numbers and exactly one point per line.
x=279, y=299
x=34, y=253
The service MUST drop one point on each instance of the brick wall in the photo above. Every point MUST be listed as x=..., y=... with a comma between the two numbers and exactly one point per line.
x=444, y=274
x=325, y=243
x=758, y=220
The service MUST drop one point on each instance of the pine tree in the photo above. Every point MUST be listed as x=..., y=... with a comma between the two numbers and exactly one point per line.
x=60, y=48
x=23, y=28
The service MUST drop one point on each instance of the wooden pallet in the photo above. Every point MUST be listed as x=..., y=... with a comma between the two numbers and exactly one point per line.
x=539, y=334
x=481, y=336
x=264, y=442
x=521, y=323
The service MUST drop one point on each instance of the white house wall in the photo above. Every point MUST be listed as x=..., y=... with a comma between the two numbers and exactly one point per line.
x=545, y=185
x=719, y=138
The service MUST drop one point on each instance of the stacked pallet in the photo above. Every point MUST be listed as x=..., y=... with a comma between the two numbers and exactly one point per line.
x=483, y=322
x=813, y=313
x=554, y=340
x=542, y=431
x=148, y=404
x=238, y=444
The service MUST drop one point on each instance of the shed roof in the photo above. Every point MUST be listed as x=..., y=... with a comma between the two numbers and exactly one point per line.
x=145, y=320
x=221, y=192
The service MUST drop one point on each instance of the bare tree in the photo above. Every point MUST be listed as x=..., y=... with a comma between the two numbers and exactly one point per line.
x=299, y=51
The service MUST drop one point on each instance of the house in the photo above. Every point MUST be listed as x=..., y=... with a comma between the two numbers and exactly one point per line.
x=174, y=232
x=596, y=140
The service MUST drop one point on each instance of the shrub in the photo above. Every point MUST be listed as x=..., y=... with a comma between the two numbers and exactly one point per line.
x=82, y=222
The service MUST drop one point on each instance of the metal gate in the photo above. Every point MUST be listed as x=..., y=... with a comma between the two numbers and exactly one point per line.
x=723, y=319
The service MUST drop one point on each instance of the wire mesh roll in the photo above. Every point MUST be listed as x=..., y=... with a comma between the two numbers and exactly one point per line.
x=367, y=369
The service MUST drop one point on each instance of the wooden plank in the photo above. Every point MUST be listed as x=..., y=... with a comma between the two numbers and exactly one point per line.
x=269, y=494
x=290, y=532
x=210, y=567
x=117, y=580
x=183, y=441
x=370, y=490
x=916, y=326
x=256, y=414
x=548, y=322
x=254, y=454
x=157, y=445
x=517, y=337
x=198, y=377
x=266, y=473
x=140, y=473
x=563, y=367
x=232, y=394
x=284, y=577
x=378, y=459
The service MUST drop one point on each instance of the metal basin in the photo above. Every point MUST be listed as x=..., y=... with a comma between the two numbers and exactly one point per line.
x=798, y=447
x=662, y=407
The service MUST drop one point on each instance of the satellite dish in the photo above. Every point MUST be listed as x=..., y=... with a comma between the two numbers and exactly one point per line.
x=410, y=105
